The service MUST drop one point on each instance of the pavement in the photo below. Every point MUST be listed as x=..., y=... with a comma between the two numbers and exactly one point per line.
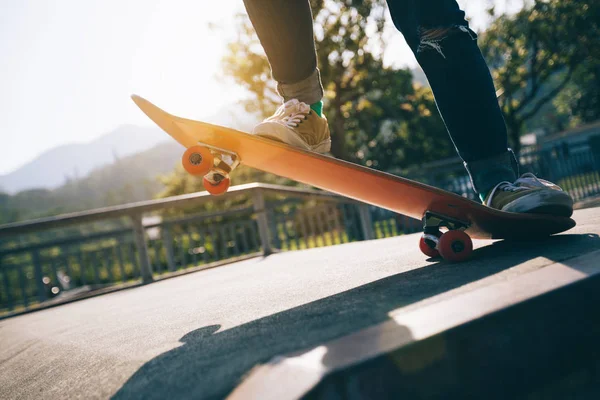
x=198, y=335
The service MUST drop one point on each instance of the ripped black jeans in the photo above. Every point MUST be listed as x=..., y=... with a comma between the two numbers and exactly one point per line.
x=445, y=47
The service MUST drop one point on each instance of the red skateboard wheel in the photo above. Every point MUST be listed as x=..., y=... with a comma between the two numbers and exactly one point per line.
x=217, y=188
x=197, y=160
x=427, y=249
x=455, y=246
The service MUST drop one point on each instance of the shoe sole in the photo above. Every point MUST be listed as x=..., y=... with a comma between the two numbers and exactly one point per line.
x=551, y=202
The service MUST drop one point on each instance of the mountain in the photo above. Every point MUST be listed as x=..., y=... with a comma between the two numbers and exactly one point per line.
x=128, y=179
x=73, y=162
x=55, y=166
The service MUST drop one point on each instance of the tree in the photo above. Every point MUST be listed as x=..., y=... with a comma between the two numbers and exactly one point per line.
x=580, y=100
x=8, y=213
x=372, y=109
x=535, y=54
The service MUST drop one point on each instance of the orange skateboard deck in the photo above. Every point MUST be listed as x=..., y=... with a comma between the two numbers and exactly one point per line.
x=417, y=200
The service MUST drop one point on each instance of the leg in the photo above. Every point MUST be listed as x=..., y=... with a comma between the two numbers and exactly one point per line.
x=285, y=30
x=446, y=49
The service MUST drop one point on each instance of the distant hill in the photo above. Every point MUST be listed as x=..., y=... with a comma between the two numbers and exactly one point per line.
x=62, y=164
x=55, y=166
x=128, y=179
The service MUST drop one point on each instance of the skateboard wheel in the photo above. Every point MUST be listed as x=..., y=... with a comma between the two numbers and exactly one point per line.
x=455, y=246
x=216, y=188
x=197, y=160
x=427, y=246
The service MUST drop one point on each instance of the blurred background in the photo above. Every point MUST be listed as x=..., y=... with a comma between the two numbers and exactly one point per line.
x=72, y=140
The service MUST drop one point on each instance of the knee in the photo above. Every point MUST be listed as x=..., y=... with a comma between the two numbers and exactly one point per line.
x=432, y=39
x=423, y=39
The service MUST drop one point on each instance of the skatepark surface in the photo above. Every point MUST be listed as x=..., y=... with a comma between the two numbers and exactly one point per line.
x=199, y=334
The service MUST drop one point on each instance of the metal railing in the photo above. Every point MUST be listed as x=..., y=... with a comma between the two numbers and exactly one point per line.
x=50, y=259
x=575, y=168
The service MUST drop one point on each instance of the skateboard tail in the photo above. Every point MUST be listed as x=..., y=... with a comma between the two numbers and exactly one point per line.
x=165, y=121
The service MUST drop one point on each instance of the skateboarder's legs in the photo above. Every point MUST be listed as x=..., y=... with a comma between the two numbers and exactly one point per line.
x=285, y=31
x=445, y=47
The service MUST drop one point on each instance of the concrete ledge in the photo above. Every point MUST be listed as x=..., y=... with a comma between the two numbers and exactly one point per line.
x=587, y=203
x=537, y=335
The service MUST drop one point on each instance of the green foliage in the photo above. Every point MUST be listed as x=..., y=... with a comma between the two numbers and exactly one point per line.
x=8, y=213
x=535, y=54
x=580, y=100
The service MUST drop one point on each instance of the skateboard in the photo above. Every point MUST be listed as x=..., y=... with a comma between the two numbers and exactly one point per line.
x=449, y=220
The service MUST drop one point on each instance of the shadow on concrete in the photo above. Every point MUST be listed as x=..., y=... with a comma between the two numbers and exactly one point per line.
x=210, y=363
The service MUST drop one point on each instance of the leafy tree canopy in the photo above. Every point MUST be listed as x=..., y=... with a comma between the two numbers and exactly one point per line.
x=537, y=53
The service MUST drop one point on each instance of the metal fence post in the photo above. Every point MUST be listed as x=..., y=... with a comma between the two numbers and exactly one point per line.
x=167, y=239
x=366, y=221
x=258, y=200
x=139, y=236
x=38, y=275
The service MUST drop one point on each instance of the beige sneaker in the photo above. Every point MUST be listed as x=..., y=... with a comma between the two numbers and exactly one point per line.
x=296, y=124
x=529, y=194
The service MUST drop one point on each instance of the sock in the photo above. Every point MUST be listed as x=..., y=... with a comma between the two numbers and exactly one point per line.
x=482, y=196
x=317, y=107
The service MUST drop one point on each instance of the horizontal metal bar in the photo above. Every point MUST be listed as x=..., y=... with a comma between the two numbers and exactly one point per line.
x=121, y=232
x=67, y=241
x=200, y=217
x=147, y=206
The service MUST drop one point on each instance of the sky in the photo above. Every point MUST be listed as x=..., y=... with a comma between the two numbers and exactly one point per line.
x=68, y=67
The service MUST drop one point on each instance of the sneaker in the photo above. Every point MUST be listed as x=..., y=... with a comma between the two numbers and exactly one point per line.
x=296, y=124
x=529, y=194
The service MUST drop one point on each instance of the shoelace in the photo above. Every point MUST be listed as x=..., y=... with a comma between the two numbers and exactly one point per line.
x=295, y=117
x=506, y=186
x=528, y=175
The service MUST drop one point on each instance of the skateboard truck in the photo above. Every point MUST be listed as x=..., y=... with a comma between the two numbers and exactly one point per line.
x=452, y=245
x=214, y=163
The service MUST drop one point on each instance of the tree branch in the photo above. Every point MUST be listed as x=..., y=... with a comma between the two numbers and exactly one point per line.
x=548, y=97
